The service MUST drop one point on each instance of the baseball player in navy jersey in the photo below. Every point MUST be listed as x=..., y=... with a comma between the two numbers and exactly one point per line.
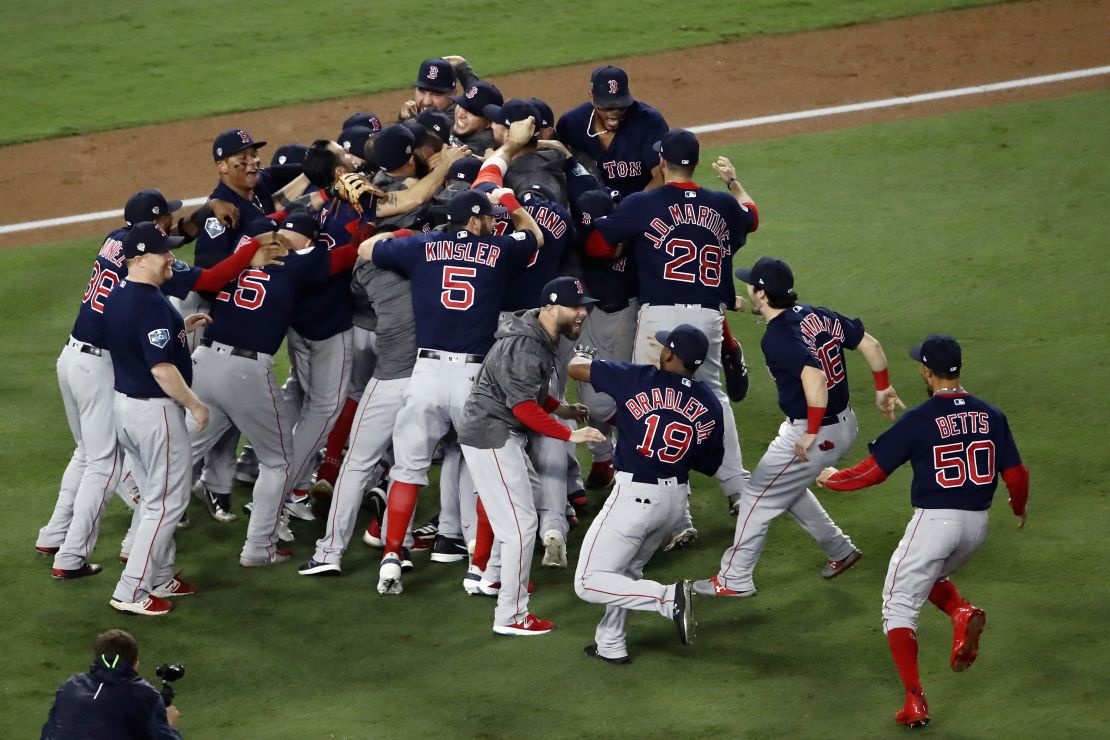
x=472, y=128
x=616, y=131
x=85, y=378
x=958, y=446
x=683, y=238
x=510, y=396
x=804, y=348
x=435, y=81
x=528, y=164
x=152, y=370
x=668, y=424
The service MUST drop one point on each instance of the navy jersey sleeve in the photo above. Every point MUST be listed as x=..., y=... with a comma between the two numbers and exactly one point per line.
x=182, y=279
x=1008, y=455
x=519, y=246
x=710, y=451
x=624, y=223
x=790, y=353
x=896, y=445
x=214, y=242
x=399, y=255
x=613, y=378
x=158, y=334
x=741, y=220
x=655, y=126
x=853, y=330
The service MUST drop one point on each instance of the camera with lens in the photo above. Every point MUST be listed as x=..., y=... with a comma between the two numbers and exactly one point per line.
x=169, y=672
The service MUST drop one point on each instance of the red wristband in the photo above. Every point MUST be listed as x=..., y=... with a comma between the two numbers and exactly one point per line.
x=550, y=404
x=882, y=379
x=814, y=416
x=509, y=201
x=402, y=233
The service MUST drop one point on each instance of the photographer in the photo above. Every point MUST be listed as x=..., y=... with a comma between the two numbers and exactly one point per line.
x=111, y=700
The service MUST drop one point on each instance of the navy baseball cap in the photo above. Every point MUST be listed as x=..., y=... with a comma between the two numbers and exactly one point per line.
x=393, y=147
x=476, y=97
x=592, y=205
x=147, y=205
x=354, y=139
x=436, y=75
x=436, y=122
x=539, y=190
x=301, y=223
x=146, y=237
x=513, y=110
x=471, y=203
x=464, y=169
x=289, y=154
x=769, y=274
x=609, y=86
x=231, y=142
x=566, y=291
x=940, y=353
x=547, y=116
x=369, y=120
x=679, y=146
x=686, y=341
x=260, y=226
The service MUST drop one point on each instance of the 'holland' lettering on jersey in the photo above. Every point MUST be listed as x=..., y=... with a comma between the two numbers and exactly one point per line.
x=554, y=222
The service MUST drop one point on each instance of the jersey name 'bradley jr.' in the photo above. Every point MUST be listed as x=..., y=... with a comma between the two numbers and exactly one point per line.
x=669, y=399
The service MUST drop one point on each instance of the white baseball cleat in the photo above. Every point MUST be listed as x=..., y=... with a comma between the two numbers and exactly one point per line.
x=554, y=549
x=284, y=533
x=389, y=575
x=471, y=580
x=300, y=508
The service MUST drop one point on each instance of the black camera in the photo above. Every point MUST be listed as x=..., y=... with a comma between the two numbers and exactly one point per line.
x=169, y=672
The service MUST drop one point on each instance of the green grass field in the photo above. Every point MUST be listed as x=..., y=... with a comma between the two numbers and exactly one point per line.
x=73, y=67
x=984, y=224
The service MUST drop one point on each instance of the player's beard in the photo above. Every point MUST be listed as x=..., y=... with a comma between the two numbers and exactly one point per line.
x=571, y=329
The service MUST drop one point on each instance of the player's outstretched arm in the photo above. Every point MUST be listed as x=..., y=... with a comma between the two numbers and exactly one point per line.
x=579, y=368
x=522, y=219
x=366, y=249
x=403, y=201
x=886, y=398
x=725, y=170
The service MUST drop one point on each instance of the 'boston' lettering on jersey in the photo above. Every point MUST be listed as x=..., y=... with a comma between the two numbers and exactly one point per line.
x=666, y=398
x=685, y=213
x=481, y=253
x=965, y=422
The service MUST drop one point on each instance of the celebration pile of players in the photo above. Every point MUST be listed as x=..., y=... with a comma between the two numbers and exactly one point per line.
x=438, y=281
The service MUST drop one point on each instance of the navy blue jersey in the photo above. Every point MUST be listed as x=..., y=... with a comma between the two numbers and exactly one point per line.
x=546, y=264
x=458, y=283
x=808, y=335
x=215, y=239
x=683, y=237
x=667, y=425
x=957, y=445
x=627, y=164
x=109, y=270
x=144, y=330
x=326, y=308
x=254, y=311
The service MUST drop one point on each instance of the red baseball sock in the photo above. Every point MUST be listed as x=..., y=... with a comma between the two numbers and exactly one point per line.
x=401, y=504
x=337, y=440
x=945, y=597
x=903, y=647
x=728, y=341
x=483, y=539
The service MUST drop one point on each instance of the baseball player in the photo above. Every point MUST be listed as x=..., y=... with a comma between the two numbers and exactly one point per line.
x=668, y=424
x=804, y=348
x=616, y=131
x=529, y=164
x=458, y=280
x=511, y=395
x=959, y=446
x=472, y=128
x=683, y=238
x=85, y=379
x=150, y=358
x=434, y=84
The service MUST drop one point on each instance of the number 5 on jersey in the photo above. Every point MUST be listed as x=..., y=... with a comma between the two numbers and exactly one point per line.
x=250, y=290
x=458, y=292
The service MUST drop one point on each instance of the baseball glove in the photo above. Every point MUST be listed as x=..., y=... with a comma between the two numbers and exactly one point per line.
x=584, y=350
x=736, y=373
x=356, y=190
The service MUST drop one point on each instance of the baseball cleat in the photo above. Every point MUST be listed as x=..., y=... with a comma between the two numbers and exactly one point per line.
x=471, y=580
x=681, y=539
x=968, y=622
x=591, y=650
x=492, y=588
x=246, y=467
x=406, y=561
x=46, y=550
x=316, y=568
x=554, y=549
x=284, y=533
x=299, y=506
x=151, y=606
x=217, y=504
x=174, y=587
x=373, y=534
x=712, y=587
x=531, y=625
x=428, y=531
x=914, y=712
x=87, y=569
x=183, y=522
x=682, y=613
x=577, y=499
x=389, y=575
x=448, y=550
x=279, y=556
x=833, y=568
x=601, y=475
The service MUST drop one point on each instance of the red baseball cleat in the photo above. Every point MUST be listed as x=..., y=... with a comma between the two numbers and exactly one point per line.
x=373, y=534
x=914, y=712
x=46, y=550
x=713, y=587
x=601, y=475
x=151, y=606
x=833, y=568
x=968, y=624
x=174, y=587
x=88, y=569
x=532, y=625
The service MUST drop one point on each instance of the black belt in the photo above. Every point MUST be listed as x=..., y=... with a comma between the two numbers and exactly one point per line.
x=432, y=354
x=637, y=478
x=248, y=354
x=138, y=398
x=825, y=420
x=88, y=349
x=612, y=307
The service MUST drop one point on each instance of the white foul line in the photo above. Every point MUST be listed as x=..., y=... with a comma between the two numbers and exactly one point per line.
x=703, y=129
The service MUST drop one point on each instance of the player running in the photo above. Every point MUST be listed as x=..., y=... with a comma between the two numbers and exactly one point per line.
x=958, y=447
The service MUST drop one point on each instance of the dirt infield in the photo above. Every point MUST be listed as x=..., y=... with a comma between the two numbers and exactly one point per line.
x=694, y=86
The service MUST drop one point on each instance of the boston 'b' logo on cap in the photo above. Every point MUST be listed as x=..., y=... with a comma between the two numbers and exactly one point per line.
x=159, y=226
x=613, y=88
x=471, y=92
x=244, y=136
x=433, y=72
x=579, y=288
x=586, y=219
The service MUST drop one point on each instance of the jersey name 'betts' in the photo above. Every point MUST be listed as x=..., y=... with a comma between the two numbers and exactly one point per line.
x=684, y=239
x=814, y=336
x=452, y=273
